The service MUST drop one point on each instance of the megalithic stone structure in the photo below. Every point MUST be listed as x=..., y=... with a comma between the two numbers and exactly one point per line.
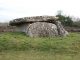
x=39, y=26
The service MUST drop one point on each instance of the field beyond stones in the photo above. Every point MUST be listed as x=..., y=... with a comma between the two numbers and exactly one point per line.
x=17, y=46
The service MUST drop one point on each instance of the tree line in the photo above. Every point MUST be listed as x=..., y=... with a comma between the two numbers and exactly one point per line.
x=68, y=20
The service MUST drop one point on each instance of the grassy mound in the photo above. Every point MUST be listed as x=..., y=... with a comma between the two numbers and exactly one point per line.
x=17, y=46
x=18, y=41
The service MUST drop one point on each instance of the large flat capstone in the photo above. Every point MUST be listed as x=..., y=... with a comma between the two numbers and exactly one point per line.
x=26, y=20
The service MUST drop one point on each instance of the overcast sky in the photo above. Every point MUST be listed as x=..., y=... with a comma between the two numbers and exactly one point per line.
x=11, y=9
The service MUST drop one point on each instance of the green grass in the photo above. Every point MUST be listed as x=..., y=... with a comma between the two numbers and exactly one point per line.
x=17, y=46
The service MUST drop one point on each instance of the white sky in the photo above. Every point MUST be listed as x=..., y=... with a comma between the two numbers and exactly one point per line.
x=11, y=9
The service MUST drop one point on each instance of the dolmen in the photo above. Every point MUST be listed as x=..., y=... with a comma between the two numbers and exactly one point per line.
x=40, y=26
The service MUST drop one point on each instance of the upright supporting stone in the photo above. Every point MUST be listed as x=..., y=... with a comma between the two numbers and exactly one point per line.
x=62, y=32
x=42, y=29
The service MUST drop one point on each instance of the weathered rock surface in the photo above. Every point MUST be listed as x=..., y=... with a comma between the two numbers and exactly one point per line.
x=32, y=19
x=62, y=32
x=40, y=26
x=42, y=29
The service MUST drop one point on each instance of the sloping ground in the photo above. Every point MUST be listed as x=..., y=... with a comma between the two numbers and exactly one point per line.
x=16, y=46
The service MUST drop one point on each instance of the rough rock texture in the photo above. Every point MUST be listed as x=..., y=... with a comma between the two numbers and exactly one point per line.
x=32, y=19
x=40, y=26
x=62, y=32
x=42, y=29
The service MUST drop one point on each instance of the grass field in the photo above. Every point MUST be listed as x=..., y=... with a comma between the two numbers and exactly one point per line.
x=16, y=46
